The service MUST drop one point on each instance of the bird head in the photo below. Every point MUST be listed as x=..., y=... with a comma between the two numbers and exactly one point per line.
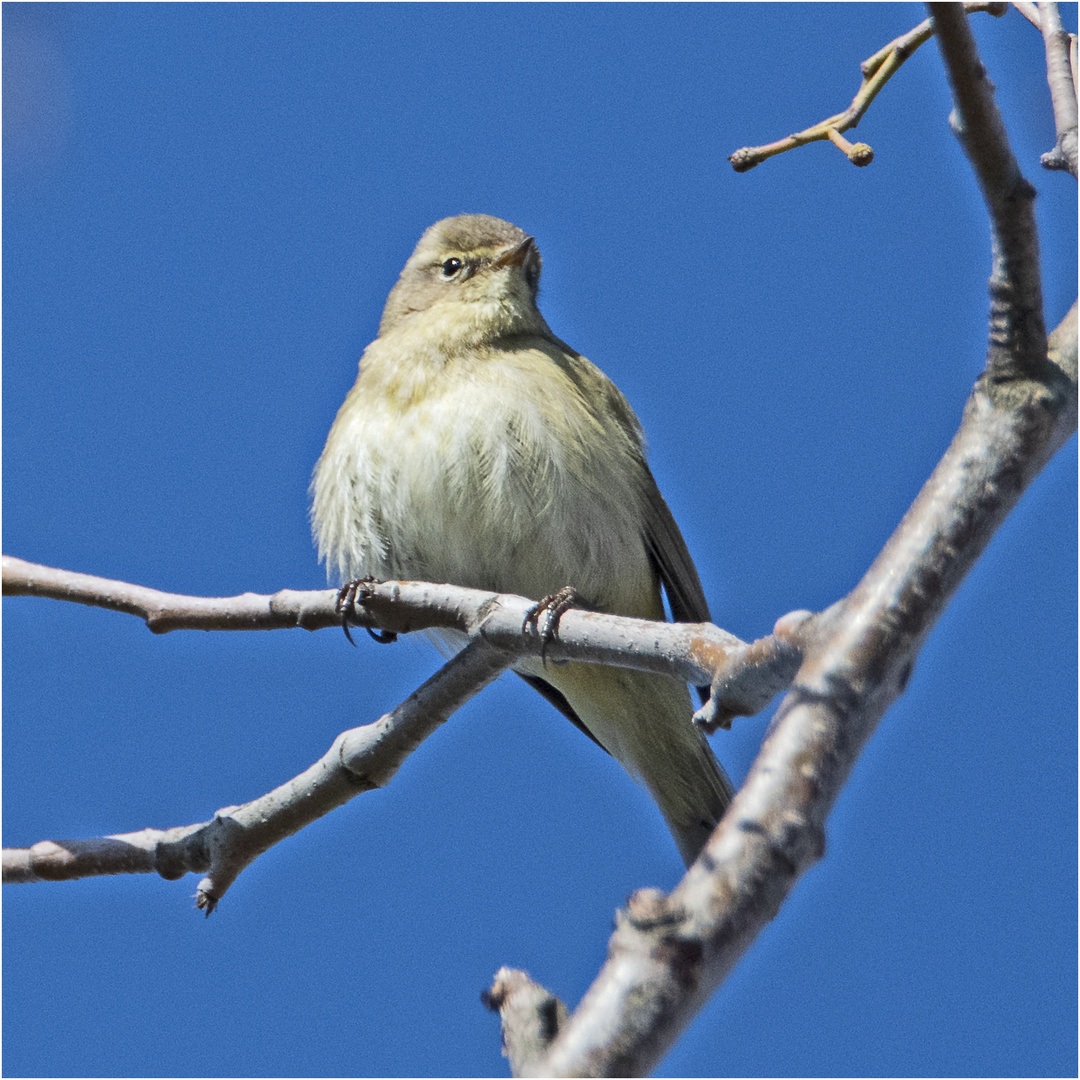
x=475, y=272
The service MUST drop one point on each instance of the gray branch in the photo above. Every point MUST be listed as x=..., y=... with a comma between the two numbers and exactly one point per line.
x=745, y=677
x=1062, y=79
x=669, y=953
x=531, y=1018
x=1017, y=343
x=358, y=760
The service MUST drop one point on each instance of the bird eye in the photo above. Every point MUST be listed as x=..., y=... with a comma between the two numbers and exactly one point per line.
x=451, y=267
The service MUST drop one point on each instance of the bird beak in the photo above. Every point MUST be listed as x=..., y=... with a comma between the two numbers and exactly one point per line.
x=514, y=256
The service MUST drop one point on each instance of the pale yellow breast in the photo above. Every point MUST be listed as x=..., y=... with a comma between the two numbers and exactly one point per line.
x=490, y=470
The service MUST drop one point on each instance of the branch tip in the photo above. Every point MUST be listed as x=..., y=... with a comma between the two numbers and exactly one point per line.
x=531, y=1018
x=789, y=627
x=744, y=160
x=857, y=153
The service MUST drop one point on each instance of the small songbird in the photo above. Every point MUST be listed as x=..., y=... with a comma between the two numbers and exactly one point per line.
x=478, y=449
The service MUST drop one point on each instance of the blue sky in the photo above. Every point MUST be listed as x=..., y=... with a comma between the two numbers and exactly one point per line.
x=204, y=208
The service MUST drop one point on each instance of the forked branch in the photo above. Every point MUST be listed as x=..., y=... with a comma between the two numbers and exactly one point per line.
x=669, y=953
x=745, y=676
x=876, y=72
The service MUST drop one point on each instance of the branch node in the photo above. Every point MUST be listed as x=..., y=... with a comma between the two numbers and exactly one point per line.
x=751, y=676
x=1057, y=160
x=647, y=909
x=789, y=628
x=204, y=901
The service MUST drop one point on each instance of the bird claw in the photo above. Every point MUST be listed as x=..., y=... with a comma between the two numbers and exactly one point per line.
x=345, y=606
x=552, y=607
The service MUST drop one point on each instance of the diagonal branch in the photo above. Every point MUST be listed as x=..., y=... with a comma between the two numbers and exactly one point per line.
x=359, y=760
x=669, y=953
x=876, y=72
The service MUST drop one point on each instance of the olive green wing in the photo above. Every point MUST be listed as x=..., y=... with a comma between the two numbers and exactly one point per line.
x=670, y=556
x=676, y=569
x=664, y=541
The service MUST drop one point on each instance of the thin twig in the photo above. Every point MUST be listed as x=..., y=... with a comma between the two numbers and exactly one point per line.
x=876, y=72
x=163, y=611
x=1029, y=11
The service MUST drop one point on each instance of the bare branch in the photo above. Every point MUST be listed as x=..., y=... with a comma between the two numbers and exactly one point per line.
x=876, y=72
x=531, y=1018
x=745, y=676
x=668, y=954
x=1017, y=345
x=664, y=965
x=164, y=611
x=358, y=760
x=1061, y=77
x=168, y=852
x=1029, y=11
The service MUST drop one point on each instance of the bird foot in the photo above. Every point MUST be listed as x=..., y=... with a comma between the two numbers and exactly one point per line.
x=551, y=608
x=348, y=595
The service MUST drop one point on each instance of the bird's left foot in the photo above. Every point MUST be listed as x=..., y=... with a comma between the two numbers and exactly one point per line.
x=551, y=609
x=347, y=598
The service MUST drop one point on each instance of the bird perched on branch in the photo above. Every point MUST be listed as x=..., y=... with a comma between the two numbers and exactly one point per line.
x=478, y=449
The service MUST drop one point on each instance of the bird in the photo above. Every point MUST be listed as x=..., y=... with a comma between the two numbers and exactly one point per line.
x=478, y=449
